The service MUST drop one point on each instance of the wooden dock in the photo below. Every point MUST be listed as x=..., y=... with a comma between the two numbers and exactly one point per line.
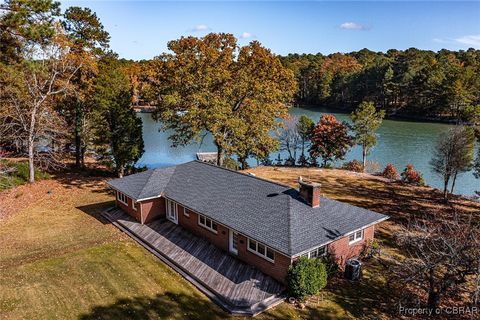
x=236, y=286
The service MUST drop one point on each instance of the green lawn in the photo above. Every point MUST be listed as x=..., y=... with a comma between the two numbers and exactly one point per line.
x=60, y=260
x=18, y=174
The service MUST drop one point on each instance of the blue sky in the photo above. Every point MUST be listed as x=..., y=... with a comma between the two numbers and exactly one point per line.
x=141, y=29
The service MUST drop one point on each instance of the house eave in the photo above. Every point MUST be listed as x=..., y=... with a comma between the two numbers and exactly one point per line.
x=296, y=255
x=127, y=194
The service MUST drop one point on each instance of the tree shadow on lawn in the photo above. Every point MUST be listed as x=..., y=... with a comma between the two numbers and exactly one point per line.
x=93, y=180
x=168, y=305
x=372, y=296
x=311, y=311
x=402, y=202
x=95, y=210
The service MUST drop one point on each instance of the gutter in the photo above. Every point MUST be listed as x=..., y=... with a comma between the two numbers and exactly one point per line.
x=341, y=236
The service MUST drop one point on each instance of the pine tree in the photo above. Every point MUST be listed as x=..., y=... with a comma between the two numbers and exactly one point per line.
x=118, y=129
x=366, y=121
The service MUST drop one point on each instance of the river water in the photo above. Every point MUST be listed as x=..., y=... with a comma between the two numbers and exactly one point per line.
x=398, y=142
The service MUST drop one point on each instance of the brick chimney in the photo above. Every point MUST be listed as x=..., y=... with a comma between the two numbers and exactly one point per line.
x=310, y=192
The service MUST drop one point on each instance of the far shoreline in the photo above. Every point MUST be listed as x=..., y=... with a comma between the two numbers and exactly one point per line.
x=407, y=118
x=314, y=107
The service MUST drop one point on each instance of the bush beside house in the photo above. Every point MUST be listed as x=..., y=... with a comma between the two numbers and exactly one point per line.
x=306, y=277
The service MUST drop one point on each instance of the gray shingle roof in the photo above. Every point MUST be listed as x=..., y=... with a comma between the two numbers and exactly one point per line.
x=145, y=184
x=263, y=210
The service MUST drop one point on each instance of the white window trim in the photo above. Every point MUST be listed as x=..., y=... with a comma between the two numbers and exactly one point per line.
x=307, y=254
x=126, y=198
x=205, y=226
x=258, y=253
x=134, y=207
x=355, y=240
x=185, y=212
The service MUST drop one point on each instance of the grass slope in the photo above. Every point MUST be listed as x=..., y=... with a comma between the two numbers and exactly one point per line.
x=60, y=260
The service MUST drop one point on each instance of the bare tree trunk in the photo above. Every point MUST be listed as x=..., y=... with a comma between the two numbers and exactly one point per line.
x=31, y=168
x=121, y=171
x=82, y=157
x=433, y=300
x=77, y=147
x=243, y=163
x=288, y=149
x=433, y=296
x=31, y=144
x=453, y=181
x=364, y=157
x=219, y=154
x=445, y=188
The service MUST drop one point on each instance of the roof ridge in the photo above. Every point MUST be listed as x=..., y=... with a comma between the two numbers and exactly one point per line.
x=153, y=171
x=170, y=177
x=289, y=224
x=246, y=174
x=146, y=183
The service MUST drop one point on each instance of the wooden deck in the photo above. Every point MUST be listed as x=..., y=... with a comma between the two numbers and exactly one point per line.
x=236, y=286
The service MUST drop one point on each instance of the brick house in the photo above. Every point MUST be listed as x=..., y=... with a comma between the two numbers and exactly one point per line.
x=264, y=223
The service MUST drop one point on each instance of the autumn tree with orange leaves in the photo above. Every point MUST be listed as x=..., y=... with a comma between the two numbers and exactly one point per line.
x=235, y=93
x=330, y=140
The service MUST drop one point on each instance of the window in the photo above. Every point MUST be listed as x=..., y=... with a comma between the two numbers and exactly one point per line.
x=122, y=198
x=207, y=223
x=134, y=205
x=315, y=253
x=355, y=237
x=185, y=212
x=261, y=250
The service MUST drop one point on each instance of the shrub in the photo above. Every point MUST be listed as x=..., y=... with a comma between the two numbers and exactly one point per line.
x=390, y=172
x=331, y=265
x=266, y=161
x=131, y=169
x=279, y=161
x=306, y=277
x=290, y=162
x=313, y=161
x=371, y=249
x=16, y=173
x=303, y=161
x=410, y=175
x=353, y=165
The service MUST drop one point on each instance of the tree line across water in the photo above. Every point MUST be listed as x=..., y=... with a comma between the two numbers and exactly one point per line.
x=443, y=85
x=331, y=140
